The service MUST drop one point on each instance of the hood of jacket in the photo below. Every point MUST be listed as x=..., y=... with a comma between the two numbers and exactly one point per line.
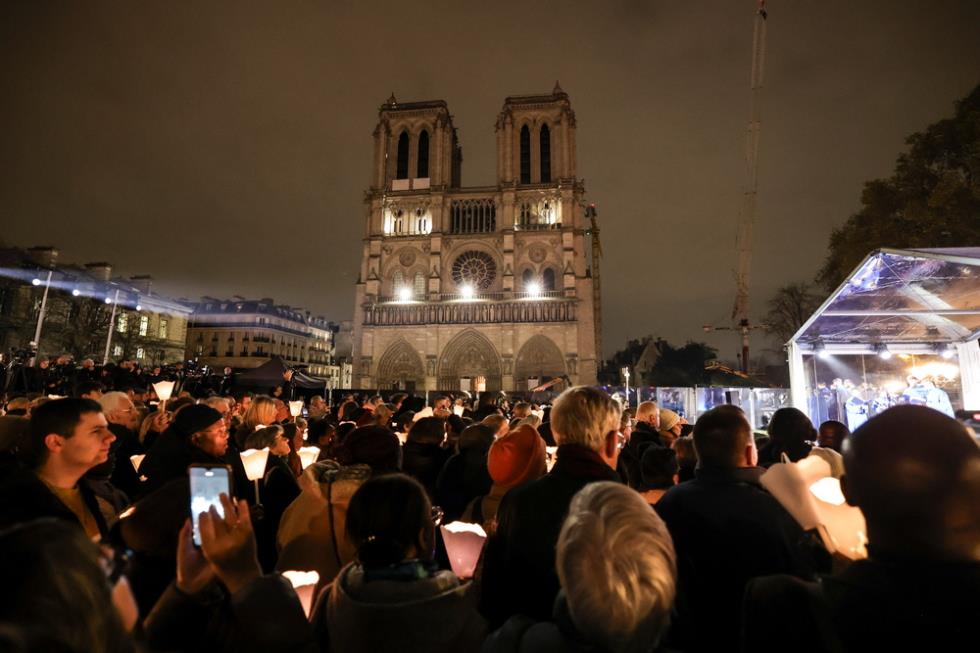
x=432, y=614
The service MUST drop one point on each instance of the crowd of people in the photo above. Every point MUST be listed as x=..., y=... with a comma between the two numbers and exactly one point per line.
x=608, y=530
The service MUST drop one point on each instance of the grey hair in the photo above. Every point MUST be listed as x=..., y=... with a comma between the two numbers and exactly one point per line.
x=617, y=565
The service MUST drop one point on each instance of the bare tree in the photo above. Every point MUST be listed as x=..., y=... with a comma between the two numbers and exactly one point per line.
x=790, y=307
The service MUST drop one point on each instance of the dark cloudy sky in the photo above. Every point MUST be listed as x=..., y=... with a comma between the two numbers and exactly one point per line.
x=224, y=147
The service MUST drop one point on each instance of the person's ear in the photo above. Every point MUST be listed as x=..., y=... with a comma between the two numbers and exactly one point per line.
x=54, y=442
x=610, y=446
x=751, y=455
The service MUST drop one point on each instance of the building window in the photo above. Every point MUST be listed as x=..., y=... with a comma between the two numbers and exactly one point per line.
x=140, y=353
x=419, y=289
x=401, y=163
x=422, y=169
x=122, y=323
x=525, y=155
x=526, y=279
x=163, y=329
x=117, y=350
x=545, y=152
x=549, y=279
x=144, y=324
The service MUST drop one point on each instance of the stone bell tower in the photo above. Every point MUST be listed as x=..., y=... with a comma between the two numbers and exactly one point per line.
x=475, y=288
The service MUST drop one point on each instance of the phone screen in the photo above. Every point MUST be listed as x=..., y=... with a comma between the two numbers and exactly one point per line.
x=207, y=483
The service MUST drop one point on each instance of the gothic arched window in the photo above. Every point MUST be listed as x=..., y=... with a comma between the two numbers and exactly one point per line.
x=525, y=155
x=401, y=163
x=545, y=152
x=549, y=279
x=397, y=282
x=419, y=284
x=422, y=168
x=526, y=279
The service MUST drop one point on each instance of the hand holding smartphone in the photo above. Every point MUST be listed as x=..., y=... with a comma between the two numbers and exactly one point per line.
x=208, y=482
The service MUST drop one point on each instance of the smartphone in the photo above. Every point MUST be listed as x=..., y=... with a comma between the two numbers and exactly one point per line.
x=208, y=482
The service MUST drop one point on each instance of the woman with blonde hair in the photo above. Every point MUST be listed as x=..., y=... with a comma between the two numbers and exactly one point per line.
x=261, y=412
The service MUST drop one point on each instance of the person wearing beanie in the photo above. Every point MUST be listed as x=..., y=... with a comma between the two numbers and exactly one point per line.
x=312, y=535
x=197, y=435
x=670, y=426
x=514, y=459
x=658, y=471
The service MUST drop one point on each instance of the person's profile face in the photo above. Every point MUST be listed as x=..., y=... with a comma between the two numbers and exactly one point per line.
x=89, y=444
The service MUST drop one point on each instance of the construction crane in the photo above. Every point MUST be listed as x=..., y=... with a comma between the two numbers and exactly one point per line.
x=746, y=216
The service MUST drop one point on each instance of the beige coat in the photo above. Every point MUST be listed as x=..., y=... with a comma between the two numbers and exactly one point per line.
x=308, y=539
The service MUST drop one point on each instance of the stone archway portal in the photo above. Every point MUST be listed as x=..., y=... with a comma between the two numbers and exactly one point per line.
x=469, y=355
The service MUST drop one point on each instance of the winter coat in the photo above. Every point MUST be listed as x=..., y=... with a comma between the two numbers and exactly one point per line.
x=872, y=605
x=521, y=634
x=312, y=532
x=263, y=616
x=726, y=529
x=27, y=498
x=519, y=574
x=483, y=510
x=429, y=615
x=279, y=489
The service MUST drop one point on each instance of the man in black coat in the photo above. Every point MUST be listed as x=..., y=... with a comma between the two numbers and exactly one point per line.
x=727, y=529
x=915, y=474
x=519, y=574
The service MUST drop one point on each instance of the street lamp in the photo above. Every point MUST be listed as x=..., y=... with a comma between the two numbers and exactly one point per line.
x=40, y=315
x=626, y=375
x=112, y=324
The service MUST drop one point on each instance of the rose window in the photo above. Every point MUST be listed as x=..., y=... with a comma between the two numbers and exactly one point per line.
x=475, y=268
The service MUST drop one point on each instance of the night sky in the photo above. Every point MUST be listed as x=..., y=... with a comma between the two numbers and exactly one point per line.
x=224, y=147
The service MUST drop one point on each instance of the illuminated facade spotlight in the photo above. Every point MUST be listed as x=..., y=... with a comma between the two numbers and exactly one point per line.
x=947, y=352
x=108, y=300
x=467, y=291
x=139, y=307
x=404, y=294
x=883, y=351
x=820, y=349
x=534, y=289
x=76, y=292
x=35, y=281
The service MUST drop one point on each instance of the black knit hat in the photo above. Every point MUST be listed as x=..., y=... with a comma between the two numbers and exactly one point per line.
x=194, y=419
x=371, y=445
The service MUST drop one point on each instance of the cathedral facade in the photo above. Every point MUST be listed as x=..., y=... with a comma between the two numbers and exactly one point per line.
x=476, y=288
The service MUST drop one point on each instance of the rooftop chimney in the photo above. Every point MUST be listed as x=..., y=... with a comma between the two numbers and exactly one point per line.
x=43, y=255
x=142, y=282
x=101, y=270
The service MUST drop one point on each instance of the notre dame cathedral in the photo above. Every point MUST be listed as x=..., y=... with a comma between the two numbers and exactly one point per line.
x=478, y=288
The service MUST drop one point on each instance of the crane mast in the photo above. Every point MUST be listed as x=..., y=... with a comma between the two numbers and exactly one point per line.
x=746, y=219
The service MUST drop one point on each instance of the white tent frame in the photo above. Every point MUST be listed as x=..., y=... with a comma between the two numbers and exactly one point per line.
x=967, y=343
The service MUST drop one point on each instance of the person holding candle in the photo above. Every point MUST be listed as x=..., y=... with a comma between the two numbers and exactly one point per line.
x=512, y=460
x=392, y=597
x=196, y=435
x=915, y=474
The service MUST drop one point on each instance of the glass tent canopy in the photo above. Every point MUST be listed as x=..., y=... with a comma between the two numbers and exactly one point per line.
x=919, y=301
